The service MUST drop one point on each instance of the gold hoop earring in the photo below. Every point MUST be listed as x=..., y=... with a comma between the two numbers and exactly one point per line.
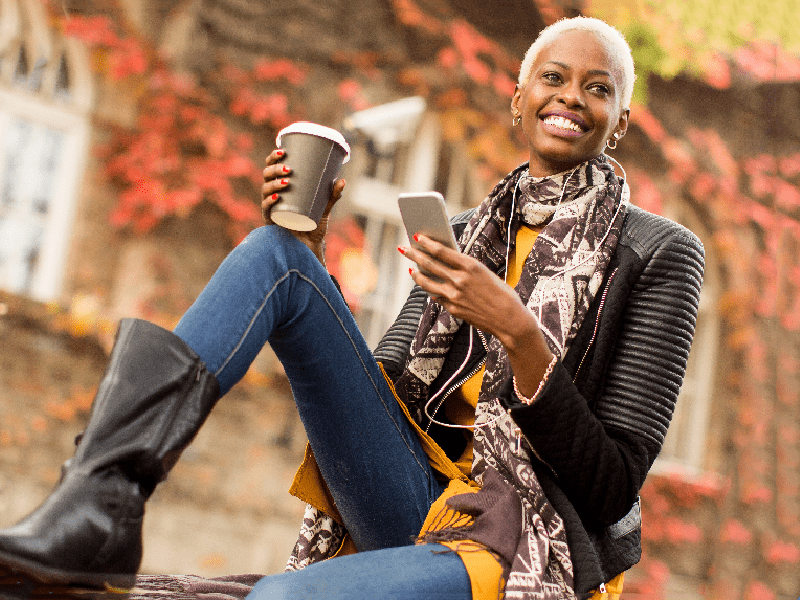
x=609, y=146
x=516, y=120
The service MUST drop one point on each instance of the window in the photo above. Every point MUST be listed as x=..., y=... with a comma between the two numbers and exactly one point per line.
x=43, y=136
x=397, y=147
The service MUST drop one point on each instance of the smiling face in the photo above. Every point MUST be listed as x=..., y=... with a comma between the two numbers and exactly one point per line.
x=571, y=104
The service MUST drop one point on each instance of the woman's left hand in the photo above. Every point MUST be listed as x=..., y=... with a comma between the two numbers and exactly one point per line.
x=470, y=291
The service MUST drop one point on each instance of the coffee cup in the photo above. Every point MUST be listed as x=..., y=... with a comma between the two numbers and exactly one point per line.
x=316, y=154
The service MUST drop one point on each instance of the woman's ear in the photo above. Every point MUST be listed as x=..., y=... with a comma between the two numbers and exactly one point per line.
x=622, y=125
x=515, y=100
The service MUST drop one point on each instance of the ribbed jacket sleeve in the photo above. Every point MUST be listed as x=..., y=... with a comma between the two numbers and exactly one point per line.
x=395, y=344
x=600, y=451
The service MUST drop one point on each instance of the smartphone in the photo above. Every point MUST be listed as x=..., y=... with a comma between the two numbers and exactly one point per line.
x=425, y=213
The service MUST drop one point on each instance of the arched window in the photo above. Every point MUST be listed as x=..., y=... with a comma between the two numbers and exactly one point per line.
x=45, y=94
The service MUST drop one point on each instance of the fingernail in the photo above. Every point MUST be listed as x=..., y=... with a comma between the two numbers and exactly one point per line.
x=286, y=169
x=410, y=271
x=416, y=237
x=273, y=197
x=280, y=152
x=284, y=182
x=401, y=250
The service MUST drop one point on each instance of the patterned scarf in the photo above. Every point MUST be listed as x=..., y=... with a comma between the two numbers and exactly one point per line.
x=561, y=275
x=559, y=280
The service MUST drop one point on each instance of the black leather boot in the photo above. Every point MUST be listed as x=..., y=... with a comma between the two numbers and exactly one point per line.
x=154, y=396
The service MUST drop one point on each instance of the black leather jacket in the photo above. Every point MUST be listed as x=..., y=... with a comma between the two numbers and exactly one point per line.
x=600, y=420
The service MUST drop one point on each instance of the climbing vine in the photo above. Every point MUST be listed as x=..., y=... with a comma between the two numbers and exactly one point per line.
x=185, y=147
x=752, y=206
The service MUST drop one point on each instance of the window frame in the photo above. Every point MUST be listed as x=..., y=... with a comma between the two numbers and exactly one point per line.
x=410, y=146
x=24, y=23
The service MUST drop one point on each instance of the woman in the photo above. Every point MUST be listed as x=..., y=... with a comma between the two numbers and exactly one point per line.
x=528, y=416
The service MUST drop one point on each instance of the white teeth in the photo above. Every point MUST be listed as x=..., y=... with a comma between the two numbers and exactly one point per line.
x=563, y=123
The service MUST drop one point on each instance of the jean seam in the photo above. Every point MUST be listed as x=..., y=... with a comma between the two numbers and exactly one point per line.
x=366, y=370
x=252, y=322
x=347, y=333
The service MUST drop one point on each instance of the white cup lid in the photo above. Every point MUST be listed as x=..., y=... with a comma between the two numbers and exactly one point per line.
x=317, y=130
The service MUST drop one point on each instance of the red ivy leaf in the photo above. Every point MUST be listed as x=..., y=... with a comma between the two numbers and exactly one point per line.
x=790, y=165
x=271, y=70
x=787, y=196
x=128, y=59
x=782, y=552
x=239, y=166
x=95, y=31
x=503, y=84
x=649, y=124
x=678, y=531
x=758, y=591
x=718, y=72
x=734, y=532
x=410, y=14
x=448, y=58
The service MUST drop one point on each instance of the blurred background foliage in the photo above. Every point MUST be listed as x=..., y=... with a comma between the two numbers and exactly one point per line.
x=707, y=40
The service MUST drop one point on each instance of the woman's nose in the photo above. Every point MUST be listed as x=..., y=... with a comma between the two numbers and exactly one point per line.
x=572, y=95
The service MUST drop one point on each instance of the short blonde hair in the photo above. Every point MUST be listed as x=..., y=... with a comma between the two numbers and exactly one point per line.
x=615, y=40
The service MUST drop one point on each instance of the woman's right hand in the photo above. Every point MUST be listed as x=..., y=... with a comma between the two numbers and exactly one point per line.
x=277, y=177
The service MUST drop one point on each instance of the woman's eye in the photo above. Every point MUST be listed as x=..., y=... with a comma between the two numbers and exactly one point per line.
x=600, y=89
x=552, y=77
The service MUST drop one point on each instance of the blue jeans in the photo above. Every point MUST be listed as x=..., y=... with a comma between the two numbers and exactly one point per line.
x=272, y=289
x=429, y=572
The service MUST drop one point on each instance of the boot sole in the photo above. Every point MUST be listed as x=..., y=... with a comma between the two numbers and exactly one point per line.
x=51, y=575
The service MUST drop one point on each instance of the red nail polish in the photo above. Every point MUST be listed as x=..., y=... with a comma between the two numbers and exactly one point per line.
x=401, y=250
x=410, y=271
x=416, y=237
x=280, y=152
x=286, y=169
x=273, y=197
x=284, y=182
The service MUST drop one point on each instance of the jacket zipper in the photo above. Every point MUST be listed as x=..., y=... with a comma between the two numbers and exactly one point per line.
x=517, y=431
x=462, y=381
x=596, y=324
